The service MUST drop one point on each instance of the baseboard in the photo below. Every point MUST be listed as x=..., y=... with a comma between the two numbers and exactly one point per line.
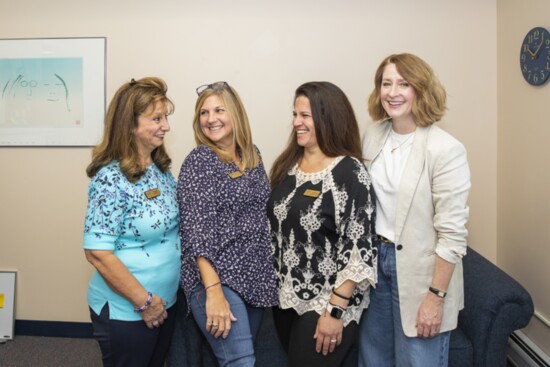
x=53, y=328
x=522, y=352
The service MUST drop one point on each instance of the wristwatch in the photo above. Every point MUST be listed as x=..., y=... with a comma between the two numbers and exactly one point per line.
x=437, y=292
x=335, y=311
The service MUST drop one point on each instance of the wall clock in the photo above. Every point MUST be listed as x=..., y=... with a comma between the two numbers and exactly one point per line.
x=534, y=57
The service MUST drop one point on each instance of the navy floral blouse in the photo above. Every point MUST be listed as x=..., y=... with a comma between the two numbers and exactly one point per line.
x=322, y=226
x=224, y=220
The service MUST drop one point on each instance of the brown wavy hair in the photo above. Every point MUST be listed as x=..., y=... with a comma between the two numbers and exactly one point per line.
x=430, y=103
x=118, y=142
x=336, y=128
x=242, y=135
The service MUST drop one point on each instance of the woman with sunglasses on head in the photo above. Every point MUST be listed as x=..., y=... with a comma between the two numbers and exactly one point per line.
x=322, y=213
x=227, y=267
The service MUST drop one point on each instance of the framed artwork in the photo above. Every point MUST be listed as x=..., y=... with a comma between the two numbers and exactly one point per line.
x=52, y=91
x=7, y=304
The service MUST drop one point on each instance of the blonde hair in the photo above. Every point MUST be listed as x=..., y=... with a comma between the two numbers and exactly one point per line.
x=242, y=136
x=118, y=143
x=430, y=102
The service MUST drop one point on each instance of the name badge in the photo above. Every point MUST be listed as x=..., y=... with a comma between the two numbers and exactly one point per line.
x=152, y=193
x=235, y=174
x=312, y=193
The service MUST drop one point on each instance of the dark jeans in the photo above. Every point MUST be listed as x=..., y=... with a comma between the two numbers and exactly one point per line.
x=132, y=343
x=296, y=335
x=189, y=347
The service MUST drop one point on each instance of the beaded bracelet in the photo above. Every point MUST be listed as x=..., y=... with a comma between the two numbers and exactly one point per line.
x=146, y=304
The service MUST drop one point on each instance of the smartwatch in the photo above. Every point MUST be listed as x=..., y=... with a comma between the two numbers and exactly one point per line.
x=335, y=311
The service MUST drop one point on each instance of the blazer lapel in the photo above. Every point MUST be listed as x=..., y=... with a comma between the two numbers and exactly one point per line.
x=411, y=176
x=376, y=138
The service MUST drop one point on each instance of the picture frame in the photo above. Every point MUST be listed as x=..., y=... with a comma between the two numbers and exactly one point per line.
x=7, y=304
x=52, y=91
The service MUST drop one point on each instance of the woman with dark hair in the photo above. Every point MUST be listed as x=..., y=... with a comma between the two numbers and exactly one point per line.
x=422, y=179
x=227, y=268
x=131, y=229
x=321, y=211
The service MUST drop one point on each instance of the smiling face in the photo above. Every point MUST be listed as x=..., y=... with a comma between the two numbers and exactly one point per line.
x=216, y=123
x=397, y=96
x=152, y=125
x=303, y=123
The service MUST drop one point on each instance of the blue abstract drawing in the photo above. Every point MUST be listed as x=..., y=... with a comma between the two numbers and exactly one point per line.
x=41, y=92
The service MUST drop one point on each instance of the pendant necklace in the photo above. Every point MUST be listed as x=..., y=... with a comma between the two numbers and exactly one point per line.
x=401, y=144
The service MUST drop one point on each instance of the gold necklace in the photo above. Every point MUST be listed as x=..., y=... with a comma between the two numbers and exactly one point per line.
x=400, y=145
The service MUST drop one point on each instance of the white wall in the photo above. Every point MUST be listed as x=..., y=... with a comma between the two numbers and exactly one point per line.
x=523, y=174
x=265, y=50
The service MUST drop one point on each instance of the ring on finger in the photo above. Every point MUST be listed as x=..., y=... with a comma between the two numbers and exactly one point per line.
x=155, y=323
x=333, y=341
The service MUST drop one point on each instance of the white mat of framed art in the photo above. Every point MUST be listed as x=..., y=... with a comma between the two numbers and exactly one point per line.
x=7, y=305
x=52, y=91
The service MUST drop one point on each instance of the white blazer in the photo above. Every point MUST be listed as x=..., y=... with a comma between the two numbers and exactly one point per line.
x=431, y=217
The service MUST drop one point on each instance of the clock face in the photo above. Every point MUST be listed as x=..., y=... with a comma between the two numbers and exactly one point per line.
x=535, y=56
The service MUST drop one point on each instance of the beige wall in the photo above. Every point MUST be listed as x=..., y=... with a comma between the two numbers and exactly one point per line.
x=523, y=174
x=265, y=51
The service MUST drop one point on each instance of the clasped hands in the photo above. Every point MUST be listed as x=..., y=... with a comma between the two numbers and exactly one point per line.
x=155, y=314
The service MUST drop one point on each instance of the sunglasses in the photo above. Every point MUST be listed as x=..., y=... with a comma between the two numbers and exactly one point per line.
x=217, y=86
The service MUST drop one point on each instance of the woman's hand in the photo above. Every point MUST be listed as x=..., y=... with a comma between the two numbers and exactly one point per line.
x=429, y=317
x=155, y=314
x=218, y=313
x=328, y=333
x=120, y=280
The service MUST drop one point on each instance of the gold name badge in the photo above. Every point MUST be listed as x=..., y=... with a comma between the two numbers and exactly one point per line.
x=312, y=193
x=235, y=174
x=152, y=193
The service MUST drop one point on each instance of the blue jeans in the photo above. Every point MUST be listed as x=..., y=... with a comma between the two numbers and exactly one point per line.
x=382, y=341
x=237, y=350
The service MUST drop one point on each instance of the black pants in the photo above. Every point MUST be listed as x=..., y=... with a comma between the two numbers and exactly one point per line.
x=296, y=335
x=132, y=343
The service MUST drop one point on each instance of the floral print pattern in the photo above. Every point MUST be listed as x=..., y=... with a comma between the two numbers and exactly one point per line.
x=322, y=228
x=224, y=219
x=141, y=231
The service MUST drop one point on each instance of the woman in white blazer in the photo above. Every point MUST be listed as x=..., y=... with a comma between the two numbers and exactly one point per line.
x=421, y=177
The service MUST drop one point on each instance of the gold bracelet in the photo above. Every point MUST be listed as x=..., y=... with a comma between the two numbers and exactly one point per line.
x=212, y=285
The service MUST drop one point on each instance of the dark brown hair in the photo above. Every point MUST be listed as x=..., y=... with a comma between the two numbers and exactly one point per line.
x=335, y=124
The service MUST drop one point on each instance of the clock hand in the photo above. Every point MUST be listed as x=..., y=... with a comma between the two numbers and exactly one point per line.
x=534, y=55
